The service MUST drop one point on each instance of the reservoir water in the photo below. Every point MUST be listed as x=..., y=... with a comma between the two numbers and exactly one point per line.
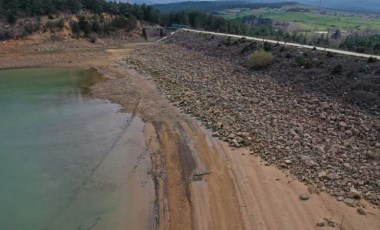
x=66, y=160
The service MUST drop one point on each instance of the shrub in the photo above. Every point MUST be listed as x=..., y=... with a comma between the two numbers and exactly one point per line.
x=121, y=22
x=302, y=61
x=75, y=27
x=372, y=60
x=60, y=24
x=92, y=37
x=330, y=55
x=337, y=70
x=351, y=75
x=11, y=19
x=267, y=46
x=259, y=59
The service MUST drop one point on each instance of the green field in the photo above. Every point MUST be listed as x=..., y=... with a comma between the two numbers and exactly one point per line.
x=312, y=21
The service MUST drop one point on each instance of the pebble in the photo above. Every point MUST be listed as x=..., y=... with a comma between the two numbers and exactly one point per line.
x=304, y=196
x=361, y=211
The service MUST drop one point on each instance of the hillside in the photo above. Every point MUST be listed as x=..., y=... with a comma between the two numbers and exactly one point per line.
x=209, y=6
x=349, y=5
x=302, y=113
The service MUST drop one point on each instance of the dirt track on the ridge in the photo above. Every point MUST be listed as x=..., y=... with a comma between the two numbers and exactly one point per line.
x=200, y=182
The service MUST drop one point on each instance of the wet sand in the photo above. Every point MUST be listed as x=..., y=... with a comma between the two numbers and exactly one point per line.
x=200, y=182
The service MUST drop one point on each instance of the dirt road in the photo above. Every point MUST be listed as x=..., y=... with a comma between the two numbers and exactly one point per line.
x=287, y=44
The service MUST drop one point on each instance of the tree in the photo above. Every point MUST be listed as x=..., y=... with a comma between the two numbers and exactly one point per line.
x=84, y=25
x=74, y=5
x=1, y=9
x=47, y=7
x=336, y=34
x=12, y=6
x=131, y=23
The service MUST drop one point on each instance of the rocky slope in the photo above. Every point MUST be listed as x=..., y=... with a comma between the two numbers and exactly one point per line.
x=326, y=142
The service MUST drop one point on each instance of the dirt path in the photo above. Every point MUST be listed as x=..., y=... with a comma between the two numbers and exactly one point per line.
x=200, y=182
x=287, y=44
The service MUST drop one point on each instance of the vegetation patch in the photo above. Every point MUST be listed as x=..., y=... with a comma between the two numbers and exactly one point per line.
x=259, y=59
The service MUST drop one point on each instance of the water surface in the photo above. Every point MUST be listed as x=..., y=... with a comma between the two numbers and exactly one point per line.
x=54, y=145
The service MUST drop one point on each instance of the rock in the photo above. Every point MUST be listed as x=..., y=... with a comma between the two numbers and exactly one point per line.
x=347, y=165
x=239, y=140
x=332, y=176
x=340, y=198
x=231, y=136
x=308, y=161
x=354, y=194
x=348, y=133
x=244, y=134
x=288, y=161
x=322, y=174
x=304, y=196
x=321, y=224
x=350, y=202
x=312, y=188
x=361, y=211
x=342, y=124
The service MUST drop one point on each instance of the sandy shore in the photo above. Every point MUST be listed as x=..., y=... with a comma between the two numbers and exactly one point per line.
x=199, y=181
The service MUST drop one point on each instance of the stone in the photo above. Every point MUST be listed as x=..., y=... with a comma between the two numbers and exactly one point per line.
x=342, y=124
x=348, y=133
x=340, y=198
x=304, y=196
x=354, y=194
x=231, y=136
x=322, y=174
x=350, y=202
x=332, y=176
x=312, y=188
x=288, y=161
x=239, y=140
x=321, y=224
x=347, y=165
x=361, y=211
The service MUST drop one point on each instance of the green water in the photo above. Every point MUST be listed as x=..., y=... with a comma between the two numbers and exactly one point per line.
x=52, y=140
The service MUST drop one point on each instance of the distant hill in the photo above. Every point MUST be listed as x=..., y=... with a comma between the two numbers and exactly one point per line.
x=216, y=5
x=349, y=5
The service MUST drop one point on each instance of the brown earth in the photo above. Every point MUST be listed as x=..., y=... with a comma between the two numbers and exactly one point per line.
x=201, y=182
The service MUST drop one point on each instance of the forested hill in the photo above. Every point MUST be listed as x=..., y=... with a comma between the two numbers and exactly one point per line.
x=13, y=9
x=215, y=6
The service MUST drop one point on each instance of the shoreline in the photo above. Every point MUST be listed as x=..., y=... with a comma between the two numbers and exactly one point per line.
x=225, y=188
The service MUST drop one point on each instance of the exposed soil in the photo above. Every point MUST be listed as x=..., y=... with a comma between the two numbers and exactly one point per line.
x=201, y=182
x=326, y=142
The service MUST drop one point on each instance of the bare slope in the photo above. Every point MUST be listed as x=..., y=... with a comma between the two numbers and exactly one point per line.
x=304, y=127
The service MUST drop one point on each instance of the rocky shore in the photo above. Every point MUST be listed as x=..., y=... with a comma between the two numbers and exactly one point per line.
x=331, y=144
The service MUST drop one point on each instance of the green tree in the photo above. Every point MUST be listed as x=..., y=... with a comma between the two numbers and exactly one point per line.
x=131, y=23
x=74, y=5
